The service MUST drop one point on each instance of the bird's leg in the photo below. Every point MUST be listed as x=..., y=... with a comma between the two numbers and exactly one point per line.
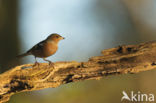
x=50, y=62
x=36, y=63
x=47, y=60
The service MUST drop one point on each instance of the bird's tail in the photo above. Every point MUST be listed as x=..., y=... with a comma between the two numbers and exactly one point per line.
x=23, y=55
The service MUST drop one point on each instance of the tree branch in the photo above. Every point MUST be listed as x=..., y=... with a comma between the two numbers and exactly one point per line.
x=119, y=60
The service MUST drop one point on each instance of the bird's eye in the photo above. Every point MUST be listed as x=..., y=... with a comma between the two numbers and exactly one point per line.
x=57, y=36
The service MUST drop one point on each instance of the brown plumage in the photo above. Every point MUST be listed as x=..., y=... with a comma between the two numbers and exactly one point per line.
x=44, y=48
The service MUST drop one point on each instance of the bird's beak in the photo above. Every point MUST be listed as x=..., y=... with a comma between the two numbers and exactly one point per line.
x=63, y=37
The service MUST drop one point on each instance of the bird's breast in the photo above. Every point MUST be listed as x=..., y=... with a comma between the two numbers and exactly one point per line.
x=49, y=49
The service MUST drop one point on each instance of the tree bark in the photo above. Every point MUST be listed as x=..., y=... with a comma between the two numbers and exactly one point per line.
x=119, y=60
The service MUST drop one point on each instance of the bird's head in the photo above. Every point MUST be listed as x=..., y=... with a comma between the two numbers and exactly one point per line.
x=55, y=37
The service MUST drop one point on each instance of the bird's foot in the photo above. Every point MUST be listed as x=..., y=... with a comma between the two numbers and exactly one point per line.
x=36, y=64
x=51, y=64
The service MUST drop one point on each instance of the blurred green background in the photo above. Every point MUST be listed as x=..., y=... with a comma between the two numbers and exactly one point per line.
x=89, y=26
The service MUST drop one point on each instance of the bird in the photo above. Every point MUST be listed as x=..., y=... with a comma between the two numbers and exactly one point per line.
x=45, y=48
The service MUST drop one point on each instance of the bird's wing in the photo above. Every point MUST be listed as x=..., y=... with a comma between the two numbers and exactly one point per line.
x=37, y=47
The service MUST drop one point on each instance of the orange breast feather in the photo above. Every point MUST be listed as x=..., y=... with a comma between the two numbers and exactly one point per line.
x=49, y=49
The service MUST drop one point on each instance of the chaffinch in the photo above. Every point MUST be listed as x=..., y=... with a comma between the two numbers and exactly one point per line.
x=44, y=48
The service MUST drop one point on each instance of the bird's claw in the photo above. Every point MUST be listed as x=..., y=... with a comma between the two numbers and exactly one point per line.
x=51, y=64
x=36, y=64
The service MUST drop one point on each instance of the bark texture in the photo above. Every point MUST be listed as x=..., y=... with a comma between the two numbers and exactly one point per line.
x=119, y=60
